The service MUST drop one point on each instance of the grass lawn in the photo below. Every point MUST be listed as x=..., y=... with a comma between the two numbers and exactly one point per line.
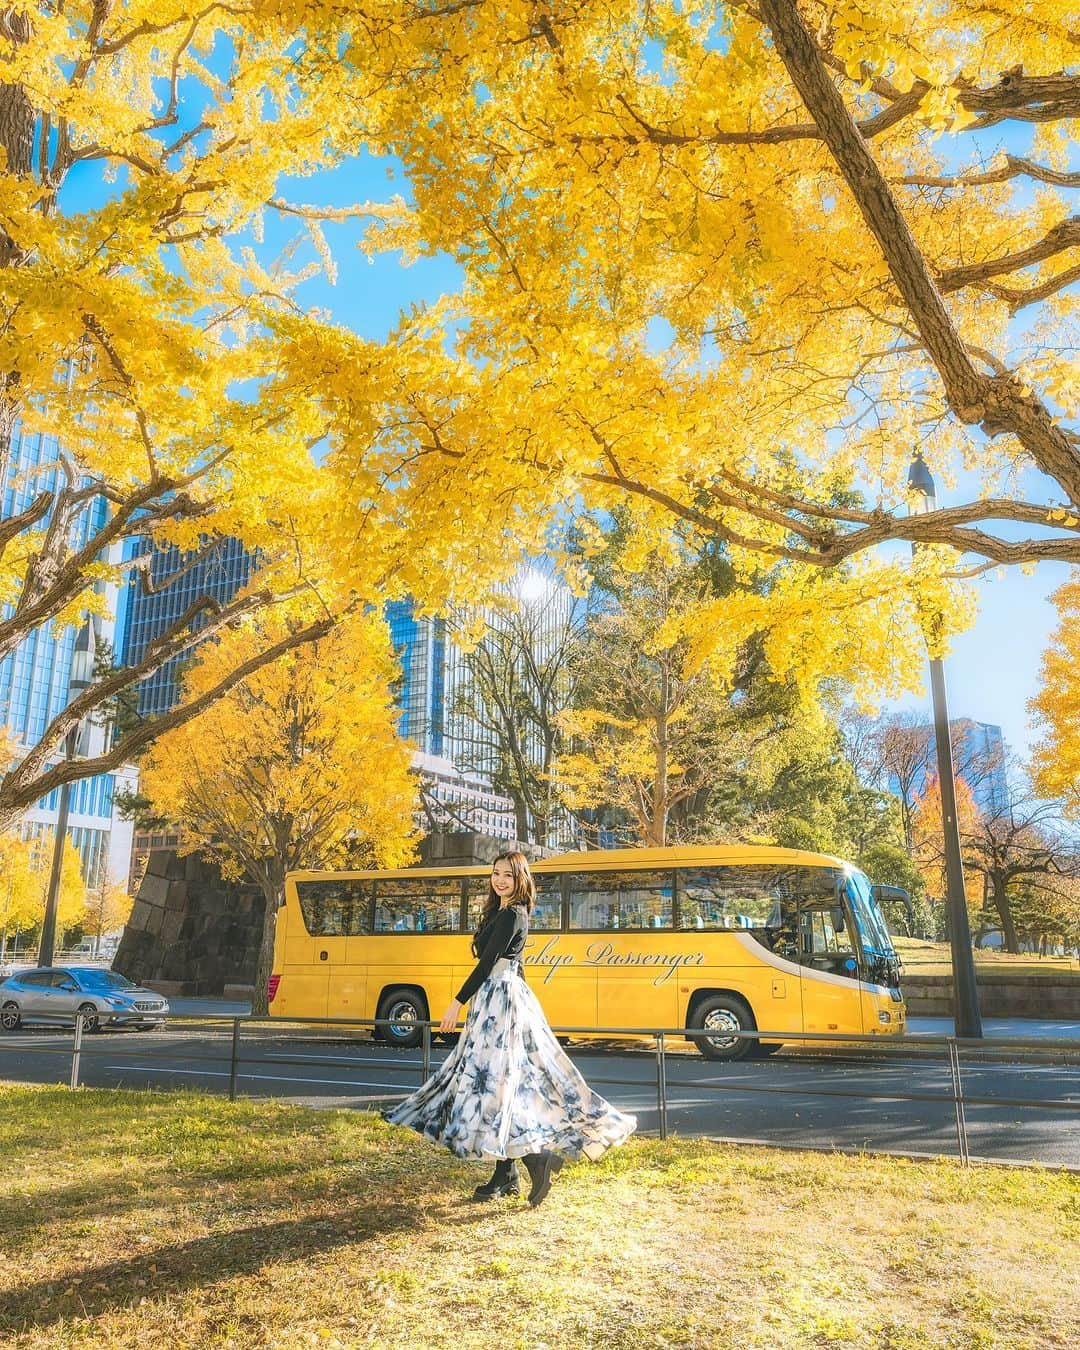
x=164, y=1221
x=933, y=958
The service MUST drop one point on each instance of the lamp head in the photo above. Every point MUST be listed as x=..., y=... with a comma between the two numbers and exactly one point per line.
x=82, y=659
x=921, y=480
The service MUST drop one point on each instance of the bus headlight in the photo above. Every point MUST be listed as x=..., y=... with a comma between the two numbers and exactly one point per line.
x=884, y=1016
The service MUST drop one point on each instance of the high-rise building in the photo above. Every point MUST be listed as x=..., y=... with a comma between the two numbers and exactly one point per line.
x=34, y=681
x=979, y=749
x=148, y=613
x=459, y=758
x=452, y=799
x=152, y=611
x=421, y=648
x=978, y=758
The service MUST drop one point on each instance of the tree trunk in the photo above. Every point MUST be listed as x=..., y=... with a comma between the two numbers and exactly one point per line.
x=1001, y=904
x=274, y=896
x=521, y=816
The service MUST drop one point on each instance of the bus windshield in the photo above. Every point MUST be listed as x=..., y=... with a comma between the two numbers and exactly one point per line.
x=873, y=933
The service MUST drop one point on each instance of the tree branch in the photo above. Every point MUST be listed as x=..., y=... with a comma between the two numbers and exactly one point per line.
x=1064, y=235
x=1000, y=404
x=20, y=788
x=1013, y=167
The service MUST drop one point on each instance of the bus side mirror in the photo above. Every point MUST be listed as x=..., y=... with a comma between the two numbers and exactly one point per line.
x=895, y=895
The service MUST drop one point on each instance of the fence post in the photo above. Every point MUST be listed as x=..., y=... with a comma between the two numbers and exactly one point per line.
x=76, y=1050
x=661, y=1084
x=234, y=1061
x=425, y=1053
x=958, y=1101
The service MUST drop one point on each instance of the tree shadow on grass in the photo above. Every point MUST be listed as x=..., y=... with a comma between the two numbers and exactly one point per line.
x=86, y=1201
x=202, y=1262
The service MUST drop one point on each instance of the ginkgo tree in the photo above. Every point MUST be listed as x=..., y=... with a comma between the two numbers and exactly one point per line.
x=731, y=261
x=928, y=842
x=24, y=881
x=145, y=146
x=738, y=261
x=299, y=766
x=1055, y=759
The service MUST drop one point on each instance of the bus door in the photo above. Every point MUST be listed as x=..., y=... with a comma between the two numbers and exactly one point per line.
x=304, y=968
x=566, y=989
x=828, y=951
x=555, y=964
x=342, y=952
x=736, y=918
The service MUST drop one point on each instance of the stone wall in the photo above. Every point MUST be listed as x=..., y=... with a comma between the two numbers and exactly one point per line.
x=190, y=932
x=467, y=848
x=1000, y=995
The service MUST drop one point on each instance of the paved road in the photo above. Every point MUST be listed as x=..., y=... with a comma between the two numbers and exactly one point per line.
x=792, y=1099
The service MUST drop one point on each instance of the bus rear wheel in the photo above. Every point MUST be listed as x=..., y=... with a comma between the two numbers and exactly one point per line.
x=723, y=1014
x=400, y=1013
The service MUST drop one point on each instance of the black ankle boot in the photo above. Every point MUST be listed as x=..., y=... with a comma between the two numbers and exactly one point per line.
x=542, y=1168
x=503, y=1181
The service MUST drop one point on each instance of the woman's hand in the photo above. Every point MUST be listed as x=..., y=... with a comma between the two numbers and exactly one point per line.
x=450, y=1016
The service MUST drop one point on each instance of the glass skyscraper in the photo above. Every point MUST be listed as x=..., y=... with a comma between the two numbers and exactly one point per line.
x=421, y=648
x=220, y=575
x=979, y=758
x=458, y=759
x=34, y=679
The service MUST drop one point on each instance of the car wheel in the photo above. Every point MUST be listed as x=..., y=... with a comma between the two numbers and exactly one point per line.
x=10, y=1017
x=723, y=1014
x=91, y=1017
x=399, y=1014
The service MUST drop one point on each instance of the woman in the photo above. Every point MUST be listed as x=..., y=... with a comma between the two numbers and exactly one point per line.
x=507, y=1090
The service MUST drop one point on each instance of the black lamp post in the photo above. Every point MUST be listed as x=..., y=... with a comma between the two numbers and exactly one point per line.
x=82, y=674
x=966, y=1014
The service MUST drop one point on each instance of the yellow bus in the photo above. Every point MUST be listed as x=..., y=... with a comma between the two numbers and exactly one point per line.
x=720, y=939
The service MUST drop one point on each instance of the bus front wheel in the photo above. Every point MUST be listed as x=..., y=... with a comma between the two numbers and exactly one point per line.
x=400, y=1013
x=723, y=1014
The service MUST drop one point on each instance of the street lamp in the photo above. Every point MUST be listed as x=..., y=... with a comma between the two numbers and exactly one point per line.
x=967, y=1018
x=80, y=679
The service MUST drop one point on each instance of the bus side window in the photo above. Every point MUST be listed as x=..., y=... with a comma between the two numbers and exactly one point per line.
x=621, y=900
x=337, y=908
x=547, y=912
x=740, y=896
x=420, y=905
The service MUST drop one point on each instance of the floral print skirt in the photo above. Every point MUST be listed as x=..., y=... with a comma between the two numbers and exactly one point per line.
x=508, y=1088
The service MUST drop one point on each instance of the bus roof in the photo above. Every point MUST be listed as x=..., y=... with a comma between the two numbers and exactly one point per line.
x=613, y=859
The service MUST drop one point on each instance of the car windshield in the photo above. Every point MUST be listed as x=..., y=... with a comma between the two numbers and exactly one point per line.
x=102, y=979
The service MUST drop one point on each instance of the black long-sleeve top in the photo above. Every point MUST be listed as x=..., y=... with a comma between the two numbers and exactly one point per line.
x=503, y=935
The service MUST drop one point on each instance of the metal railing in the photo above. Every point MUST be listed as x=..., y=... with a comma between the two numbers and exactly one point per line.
x=871, y=1048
